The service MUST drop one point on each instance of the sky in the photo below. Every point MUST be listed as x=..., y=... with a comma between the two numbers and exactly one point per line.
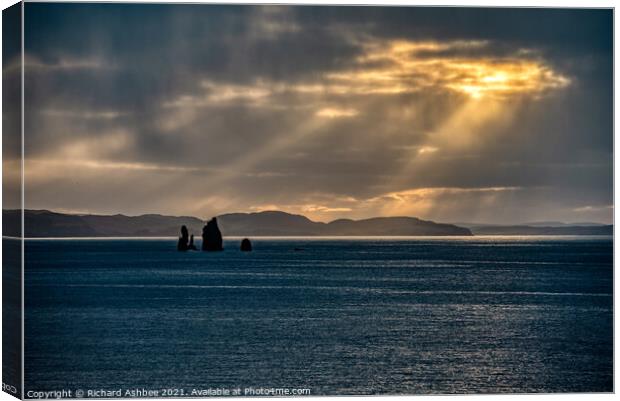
x=448, y=114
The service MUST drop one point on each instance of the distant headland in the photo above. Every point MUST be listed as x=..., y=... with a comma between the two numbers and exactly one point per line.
x=44, y=223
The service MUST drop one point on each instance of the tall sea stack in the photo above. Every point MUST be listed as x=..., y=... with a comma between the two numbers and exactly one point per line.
x=212, y=237
x=182, y=245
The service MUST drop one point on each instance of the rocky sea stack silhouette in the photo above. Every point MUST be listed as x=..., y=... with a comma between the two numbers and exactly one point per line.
x=246, y=245
x=183, y=244
x=212, y=237
x=186, y=243
x=191, y=245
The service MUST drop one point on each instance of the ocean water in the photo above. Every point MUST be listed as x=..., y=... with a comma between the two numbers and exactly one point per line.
x=335, y=316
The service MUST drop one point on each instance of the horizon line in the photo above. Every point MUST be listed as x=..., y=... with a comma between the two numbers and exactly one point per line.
x=456, y=223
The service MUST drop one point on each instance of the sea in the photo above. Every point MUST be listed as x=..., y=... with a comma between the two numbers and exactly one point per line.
x=319, y=316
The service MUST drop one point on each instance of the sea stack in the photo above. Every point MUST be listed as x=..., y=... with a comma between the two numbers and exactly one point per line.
x=191, y=245
x=246, y=245
x=182, y=245
x=211, y=236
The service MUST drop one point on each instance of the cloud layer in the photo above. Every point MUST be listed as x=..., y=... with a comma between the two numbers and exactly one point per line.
x=327, y=111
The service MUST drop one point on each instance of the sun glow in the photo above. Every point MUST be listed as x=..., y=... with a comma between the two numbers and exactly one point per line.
x=427, y=150
x=333, y=112
x=402, y=66
x=505, y=78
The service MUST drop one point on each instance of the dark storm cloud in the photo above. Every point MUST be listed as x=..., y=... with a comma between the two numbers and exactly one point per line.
x=327, y=111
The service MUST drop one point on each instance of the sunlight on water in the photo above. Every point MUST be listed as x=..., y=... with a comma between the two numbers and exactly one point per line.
x=338, y=316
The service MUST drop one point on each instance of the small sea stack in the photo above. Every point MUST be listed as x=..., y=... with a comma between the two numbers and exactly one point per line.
x=246, y=245
x=191, y=245
x=212, y=237
x=183, y=245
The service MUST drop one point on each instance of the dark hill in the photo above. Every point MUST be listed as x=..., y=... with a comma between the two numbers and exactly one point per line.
x=542, y=230
x=43, y=223
x=392, y=226
x=268, y=223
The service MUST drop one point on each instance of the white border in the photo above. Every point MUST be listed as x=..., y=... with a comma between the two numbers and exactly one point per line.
x=479, y=3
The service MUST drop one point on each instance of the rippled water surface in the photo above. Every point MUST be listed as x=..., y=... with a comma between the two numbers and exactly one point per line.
x=337, y=316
